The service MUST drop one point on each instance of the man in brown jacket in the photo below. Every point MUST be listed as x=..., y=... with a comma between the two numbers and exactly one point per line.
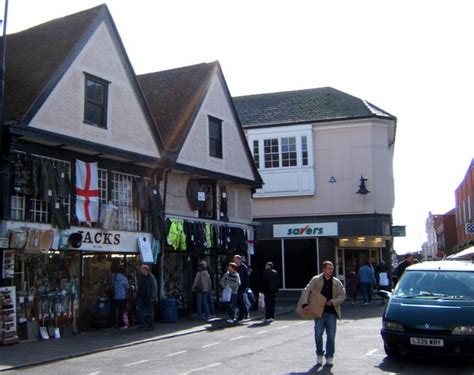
x=331, y=288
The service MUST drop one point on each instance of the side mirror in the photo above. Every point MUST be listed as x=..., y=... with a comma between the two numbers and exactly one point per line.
x=384, y=294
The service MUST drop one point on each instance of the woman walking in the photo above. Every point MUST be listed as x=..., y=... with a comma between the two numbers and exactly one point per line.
x=231, y=279
x=202, y=286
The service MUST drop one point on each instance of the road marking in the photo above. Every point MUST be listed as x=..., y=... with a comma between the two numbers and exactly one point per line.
x=299, y=323
x=136, y=363
x=202, y=368
x=237, y=338
x=259, y=333
x=372, y=352
x=177, y=353
x=209, y=345
x=283, y=327
x=95, y=373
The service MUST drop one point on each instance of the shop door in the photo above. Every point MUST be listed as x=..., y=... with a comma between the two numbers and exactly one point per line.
x=300, y=262
x=355, y=258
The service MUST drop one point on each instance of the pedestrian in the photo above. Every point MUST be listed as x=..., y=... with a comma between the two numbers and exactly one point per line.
x=333, y=290
x=255, y=286
x=147, y=296
x=407, y=262
x=366, y=277
x=120, y=285
x=202, y=287
x=352, y=286
x=244, y=284
x=231, y=279
x=270, y=287
x=383, y=279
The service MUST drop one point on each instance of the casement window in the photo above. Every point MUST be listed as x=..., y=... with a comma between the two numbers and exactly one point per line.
x=281, y=152
x=215, y=137
x=95, y=103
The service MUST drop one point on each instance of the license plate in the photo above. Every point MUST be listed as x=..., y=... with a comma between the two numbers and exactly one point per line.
x=426, y=342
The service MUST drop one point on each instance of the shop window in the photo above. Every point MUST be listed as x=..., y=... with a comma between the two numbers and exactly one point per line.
x=271, y=153
x=288, y=152
x=95, y=106
x=256, y=154
x=267, y=251
x=215, y=137
x=300, y=262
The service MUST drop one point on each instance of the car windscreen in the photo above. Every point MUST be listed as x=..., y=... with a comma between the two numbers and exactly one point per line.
x=436, y=284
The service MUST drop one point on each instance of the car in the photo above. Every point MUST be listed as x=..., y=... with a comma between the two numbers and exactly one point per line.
x=431, y=310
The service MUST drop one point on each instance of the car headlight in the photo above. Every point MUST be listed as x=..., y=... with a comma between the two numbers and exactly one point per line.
x=463, y=330
x=392, y=326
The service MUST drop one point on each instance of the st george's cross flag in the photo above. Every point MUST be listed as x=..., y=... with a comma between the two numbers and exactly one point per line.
x=87, y=192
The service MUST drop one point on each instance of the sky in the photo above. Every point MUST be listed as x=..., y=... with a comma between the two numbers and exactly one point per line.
x=413, y=59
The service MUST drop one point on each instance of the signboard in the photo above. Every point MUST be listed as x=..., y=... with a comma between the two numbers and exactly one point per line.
x=144, y=246
x=3, y=242
x=469, y=229
x=305, y=230
x=399, y=231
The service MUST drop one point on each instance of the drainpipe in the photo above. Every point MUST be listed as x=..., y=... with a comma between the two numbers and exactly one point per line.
x=163, y=238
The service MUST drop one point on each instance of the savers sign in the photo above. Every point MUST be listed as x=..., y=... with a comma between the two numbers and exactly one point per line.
x=305, y=230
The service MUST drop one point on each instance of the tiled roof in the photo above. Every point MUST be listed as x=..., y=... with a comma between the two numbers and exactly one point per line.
x=303, y=106
x=174, y=97
x=34, y=55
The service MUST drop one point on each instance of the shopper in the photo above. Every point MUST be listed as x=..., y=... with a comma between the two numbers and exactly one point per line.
x=352, y=286
x=270, y=287
x=120, y=286
x=407, y=262
x=146, y=298
x=231, y=279
x=367, y=281
x=333, y=290
x=244, y=284
x=383, y=279
x=202, y=287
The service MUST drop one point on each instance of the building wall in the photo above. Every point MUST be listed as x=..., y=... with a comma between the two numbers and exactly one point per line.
x=195, y=151
x=239, y=199
x=464, y=197
x=63, y=111
x=345, y=150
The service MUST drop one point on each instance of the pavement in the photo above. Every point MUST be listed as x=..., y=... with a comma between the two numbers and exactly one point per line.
x=33, y=353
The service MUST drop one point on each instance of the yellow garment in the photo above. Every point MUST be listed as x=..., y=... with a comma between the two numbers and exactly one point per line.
x=176, y=236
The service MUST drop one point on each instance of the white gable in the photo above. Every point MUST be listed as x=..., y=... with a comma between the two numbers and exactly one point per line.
x=63, y=110
x=195, y=151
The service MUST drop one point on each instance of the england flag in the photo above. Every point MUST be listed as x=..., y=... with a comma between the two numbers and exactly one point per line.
x=87, y=192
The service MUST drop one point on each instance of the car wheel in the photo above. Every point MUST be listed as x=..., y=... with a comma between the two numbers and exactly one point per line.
x=392, y=353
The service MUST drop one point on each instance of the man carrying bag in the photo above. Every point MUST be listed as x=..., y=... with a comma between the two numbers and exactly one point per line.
x=331, y=289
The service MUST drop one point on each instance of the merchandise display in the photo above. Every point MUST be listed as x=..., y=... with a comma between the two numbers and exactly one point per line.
x=8, y=328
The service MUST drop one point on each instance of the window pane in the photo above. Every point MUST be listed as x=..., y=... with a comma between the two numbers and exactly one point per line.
x=95, y=106
x=256, y=154
x=94, y=114
x=271, y=153
x=288, y=152
x=215, y=138
x=95, y=91
x=304, y=150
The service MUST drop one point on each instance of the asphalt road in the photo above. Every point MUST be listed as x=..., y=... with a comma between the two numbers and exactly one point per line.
x=284, y=347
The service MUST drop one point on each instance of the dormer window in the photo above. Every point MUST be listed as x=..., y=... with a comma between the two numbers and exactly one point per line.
x=215, y=137
x=95, y=104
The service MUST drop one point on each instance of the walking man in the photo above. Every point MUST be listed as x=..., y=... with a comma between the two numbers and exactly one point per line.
x=367, y=281
x=270, y=287
x=244, y=284
x=331, y=288
x=146, y=298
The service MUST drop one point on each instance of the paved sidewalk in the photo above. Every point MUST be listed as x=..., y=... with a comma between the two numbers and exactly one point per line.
x=40, y=352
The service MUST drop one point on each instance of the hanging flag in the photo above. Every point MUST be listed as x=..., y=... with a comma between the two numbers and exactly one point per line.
x=87, y=192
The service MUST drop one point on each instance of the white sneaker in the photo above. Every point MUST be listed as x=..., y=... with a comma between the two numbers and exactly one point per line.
x=230, y=321
x=319, y=360
x=329, y=361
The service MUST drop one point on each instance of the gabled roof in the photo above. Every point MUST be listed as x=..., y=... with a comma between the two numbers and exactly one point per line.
x=37, y=58
x=303, y=106
x=175, y=97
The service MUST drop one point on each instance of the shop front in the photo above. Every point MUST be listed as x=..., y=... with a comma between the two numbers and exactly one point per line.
x=61, y=276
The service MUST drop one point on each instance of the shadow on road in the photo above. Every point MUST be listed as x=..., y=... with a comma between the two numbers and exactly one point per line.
x=323, y=370
x=408, y=364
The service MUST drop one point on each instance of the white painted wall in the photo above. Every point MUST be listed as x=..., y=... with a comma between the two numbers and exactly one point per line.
x=63, y=111
x=195, y=151
x=345, y=150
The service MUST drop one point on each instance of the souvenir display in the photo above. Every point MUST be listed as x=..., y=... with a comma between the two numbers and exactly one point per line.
x=8, y=331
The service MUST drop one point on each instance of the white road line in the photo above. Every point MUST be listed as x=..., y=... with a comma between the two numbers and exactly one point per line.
x=372, y=352
x=283, y=327
x=259, y=333
x=177, y=353
x=209, y=345
x=237, y=338
x=202, y=368
x=136, y=363
x=95, y=373
x=299, y=323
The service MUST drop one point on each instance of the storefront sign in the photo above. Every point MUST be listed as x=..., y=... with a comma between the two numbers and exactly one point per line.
x=305, y=230
x=398, y=230
x=110, y=241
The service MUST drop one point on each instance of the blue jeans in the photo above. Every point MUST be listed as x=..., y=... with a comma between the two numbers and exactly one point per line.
x=328, y=323
x=210, y=302
x=367, y=292
x=231, y=306
x=146, y=313
x=202, y=302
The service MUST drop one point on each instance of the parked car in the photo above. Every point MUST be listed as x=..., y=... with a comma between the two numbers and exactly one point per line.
x=431, y=310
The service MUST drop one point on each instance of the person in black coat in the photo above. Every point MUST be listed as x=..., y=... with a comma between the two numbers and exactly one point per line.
x=244, y=284
x=270, y=287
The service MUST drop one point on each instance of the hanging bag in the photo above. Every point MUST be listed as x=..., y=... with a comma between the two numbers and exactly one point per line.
x=226, y=294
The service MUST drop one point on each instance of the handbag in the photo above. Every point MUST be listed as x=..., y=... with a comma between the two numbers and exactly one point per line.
x=226, y=294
